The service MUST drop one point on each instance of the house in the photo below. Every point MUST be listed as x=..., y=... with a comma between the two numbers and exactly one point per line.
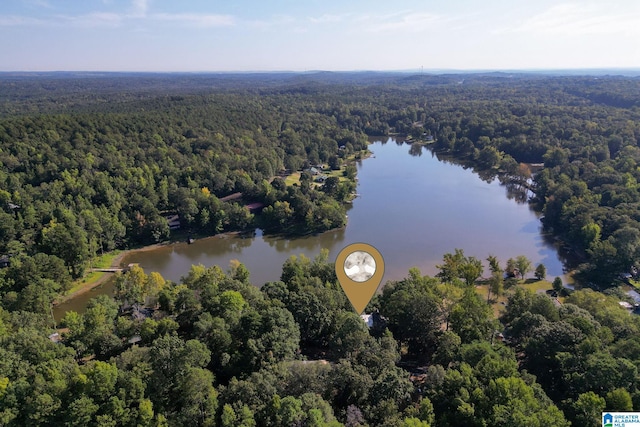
x=174, y=221
x=232, y=197
x=626, y=305
x=140, y=313
x=254, y=207
x=374, y=320
x=134, y=339
x=368, y=319
x=4, y=261
x=321, y=178
x=626, y=276
x=313, y=171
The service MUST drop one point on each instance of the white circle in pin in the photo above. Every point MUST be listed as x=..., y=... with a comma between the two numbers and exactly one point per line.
x=359, y=266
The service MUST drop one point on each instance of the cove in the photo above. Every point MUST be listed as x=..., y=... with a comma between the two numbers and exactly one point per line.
x=412, y=206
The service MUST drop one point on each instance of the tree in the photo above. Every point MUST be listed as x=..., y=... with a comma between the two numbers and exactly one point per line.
x=471, y=318
x=513, y=402
x=523, y=265
x=587, y=410
x=619, y=400
x=540, y=272
x=278, y=215
x=555, y=157
x=414, y=314
x=496, y=285
x=511, y=268
x=131, y=286
x=334, y=162
x=458, y=266
x=414, y=422
x=228, y=417
x=312, y=315
x=471, y=270
x=68, y=242
x=450, y=268
x=494, y=264
x=172, y=359
x=330, y=185
x=198, y=399
x=496, y=281
x=543, y=348
x=557, y=284
x=81, y=412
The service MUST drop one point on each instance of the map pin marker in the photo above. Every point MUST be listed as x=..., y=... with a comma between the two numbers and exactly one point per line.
x=359, y=268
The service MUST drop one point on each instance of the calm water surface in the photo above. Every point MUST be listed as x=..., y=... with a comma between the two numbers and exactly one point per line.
x=412, y=207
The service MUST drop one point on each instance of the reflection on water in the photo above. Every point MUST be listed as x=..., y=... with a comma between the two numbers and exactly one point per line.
x=413, y=208
x=518, y=192
x=415, y=150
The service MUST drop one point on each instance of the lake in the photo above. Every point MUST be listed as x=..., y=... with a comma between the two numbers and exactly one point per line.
x=411, y=206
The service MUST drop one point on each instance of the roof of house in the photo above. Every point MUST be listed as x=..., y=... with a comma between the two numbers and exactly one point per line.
x=368, y=319
x=230, y=197
x=134, y=339
x=255, y=205
x=626, y=305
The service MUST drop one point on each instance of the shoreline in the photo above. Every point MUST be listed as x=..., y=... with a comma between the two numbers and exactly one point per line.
x=119, y=259
x=115, y=263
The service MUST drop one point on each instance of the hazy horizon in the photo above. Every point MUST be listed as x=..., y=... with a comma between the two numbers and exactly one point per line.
x=285, y=35
x=630, y=71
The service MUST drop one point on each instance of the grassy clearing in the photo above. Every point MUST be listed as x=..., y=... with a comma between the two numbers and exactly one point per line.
x=294, y=178
x=535, y=285
x=88, y=280
x=103, y=261
x=634, y=283
x=337, y=173
x=498, y=304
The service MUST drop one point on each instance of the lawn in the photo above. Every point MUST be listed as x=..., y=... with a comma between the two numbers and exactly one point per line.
x=498, y=308
x=533, y=285
x=294, y=178
x=102, y=261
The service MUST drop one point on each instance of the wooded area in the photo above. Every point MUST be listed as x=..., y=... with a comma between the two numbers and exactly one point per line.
x=215, y=350
x=90, y=164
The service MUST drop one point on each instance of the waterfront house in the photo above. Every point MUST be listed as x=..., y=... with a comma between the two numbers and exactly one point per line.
x=174, y=221
x=254, y=207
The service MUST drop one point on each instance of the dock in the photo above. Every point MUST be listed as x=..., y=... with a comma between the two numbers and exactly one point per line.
x=107, y=270
x=113, y=269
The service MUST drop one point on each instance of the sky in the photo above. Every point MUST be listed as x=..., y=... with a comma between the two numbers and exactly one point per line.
x=305, y=35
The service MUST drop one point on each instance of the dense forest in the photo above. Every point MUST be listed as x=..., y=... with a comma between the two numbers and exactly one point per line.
x=214, y=350
x=102, y=160
x=95, y=163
